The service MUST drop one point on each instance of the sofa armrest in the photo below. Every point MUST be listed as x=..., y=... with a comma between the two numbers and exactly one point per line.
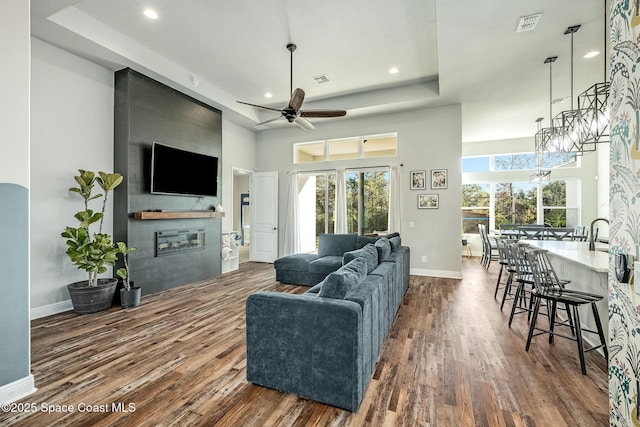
x=306, y=345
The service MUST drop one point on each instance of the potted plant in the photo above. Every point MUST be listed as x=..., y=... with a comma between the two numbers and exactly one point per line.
x=129, y=294
x=92, y=252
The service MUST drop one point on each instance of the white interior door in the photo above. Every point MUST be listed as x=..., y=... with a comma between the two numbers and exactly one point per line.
x=264, y=217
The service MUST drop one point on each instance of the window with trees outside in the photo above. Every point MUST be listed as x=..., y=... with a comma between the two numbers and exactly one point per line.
x=516, y=203
x=367, y=200
x=505, y=199
x=475, y=206
x=367, y=194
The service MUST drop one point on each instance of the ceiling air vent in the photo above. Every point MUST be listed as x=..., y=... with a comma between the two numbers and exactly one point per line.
x=528, y=23
x=322, y=78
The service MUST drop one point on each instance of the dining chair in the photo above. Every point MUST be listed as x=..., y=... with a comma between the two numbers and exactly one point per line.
x=489, y=248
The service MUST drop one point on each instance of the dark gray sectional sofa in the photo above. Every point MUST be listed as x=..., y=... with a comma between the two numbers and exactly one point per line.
x=309, y=269
x=324, y=344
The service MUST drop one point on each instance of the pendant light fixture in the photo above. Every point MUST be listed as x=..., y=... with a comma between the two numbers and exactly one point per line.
x=544, y=139
x=539, y=174
x=593, y=102
x=569, y=131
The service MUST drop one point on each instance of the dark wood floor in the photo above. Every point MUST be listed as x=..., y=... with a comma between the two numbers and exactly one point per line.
x=179, y=359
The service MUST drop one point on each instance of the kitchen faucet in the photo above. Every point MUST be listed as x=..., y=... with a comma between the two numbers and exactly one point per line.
x=592, y=239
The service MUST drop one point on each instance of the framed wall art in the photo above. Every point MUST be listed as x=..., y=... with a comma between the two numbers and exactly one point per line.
x=418, y=180
x=438, y=179
x=428, y=201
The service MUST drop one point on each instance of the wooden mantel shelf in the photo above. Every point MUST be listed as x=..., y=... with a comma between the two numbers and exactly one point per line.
x=177, y=214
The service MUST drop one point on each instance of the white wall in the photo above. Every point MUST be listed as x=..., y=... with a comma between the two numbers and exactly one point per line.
x=14, y=110
x=427, y=139
x=71, y=129
x=238, y=151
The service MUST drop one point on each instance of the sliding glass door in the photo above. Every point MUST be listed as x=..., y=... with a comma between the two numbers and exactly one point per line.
x=367, y=200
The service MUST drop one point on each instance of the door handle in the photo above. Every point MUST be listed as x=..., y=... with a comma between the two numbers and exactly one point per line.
x=275, y=228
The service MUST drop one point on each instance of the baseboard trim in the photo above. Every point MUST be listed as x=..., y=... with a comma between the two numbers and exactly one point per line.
x=17, y=389
x=49, y=309
x=436, y=273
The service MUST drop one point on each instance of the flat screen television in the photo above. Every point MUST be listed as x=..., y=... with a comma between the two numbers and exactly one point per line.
x=181, y=172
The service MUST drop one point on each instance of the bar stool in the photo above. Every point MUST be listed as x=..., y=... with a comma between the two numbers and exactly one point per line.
x=503, y=260
x=549, y=288
x=510, y=264
x=525, y=282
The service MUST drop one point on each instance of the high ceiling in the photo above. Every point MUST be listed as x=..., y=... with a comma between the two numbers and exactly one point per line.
x=446, y=52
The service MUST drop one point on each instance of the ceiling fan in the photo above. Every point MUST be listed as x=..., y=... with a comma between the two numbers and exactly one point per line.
x=292, y=112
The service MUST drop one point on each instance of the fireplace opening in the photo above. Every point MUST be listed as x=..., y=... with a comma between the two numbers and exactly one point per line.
x=178, y=241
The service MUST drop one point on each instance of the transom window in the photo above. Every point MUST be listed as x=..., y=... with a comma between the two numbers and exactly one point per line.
x=361, y=147
x=515, y=162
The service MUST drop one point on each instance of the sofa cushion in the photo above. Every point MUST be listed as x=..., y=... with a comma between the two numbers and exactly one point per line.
x=394, y=234
x=336, y=244
x=395, y=242
x=325, y=264
x=368, y=252
x=338, y=283
x=384, y=248
x=295, y=262
x=363, y=240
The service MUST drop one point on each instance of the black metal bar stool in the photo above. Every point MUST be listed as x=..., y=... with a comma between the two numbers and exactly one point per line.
x=525, y=282
x=504, y=265
x=507, y=251
x=549, y=288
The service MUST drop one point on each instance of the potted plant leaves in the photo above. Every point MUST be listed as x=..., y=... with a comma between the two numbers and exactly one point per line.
x=93, y=253
x=129, y=294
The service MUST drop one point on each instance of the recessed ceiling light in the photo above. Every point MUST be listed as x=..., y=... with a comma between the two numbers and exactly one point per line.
x=393, y=70
x=592, y=54
x=150, y=13
x=268, y=95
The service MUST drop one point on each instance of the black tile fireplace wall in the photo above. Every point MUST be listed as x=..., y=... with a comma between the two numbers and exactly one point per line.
x=148, y=111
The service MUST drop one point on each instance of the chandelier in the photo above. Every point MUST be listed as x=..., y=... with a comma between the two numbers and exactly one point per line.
x=578, y=130
x=539, y=175
x=546, y=138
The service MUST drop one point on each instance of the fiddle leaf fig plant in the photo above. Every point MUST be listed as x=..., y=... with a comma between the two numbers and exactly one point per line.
x=123, y=273
x=92, y=252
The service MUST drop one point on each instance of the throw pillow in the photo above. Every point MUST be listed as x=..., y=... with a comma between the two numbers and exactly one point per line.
x=337, y=284
x=395, y=243
x=384, y=248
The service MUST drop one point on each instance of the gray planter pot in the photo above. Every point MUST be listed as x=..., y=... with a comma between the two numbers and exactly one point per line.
x=130, y=298
x=87, y=300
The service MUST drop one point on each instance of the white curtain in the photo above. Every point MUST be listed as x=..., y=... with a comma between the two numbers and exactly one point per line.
x=291, y=230
x=394, y=200
x=341, y=202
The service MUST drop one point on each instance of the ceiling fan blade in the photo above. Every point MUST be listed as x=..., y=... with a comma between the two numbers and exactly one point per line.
x=322, y=113
x=304, y=123
x=269, y=121
x=259, y=106
x=297, y=98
